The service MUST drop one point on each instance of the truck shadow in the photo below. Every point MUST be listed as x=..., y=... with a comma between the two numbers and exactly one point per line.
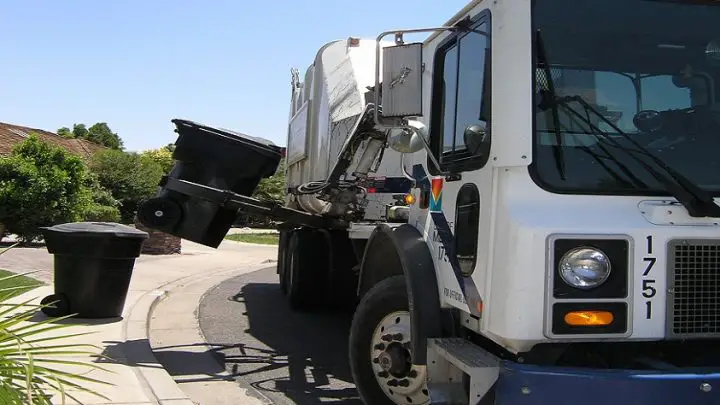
x=288, y=357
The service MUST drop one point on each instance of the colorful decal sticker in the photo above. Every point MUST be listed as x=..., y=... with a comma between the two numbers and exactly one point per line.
x=436, y=194
x=467, y=286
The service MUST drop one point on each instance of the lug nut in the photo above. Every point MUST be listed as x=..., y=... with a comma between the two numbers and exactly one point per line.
x=412, y=374
x=404, y=383
x=393, y=383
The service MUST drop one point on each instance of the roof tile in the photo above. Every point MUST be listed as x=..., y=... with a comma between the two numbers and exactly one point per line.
x=11, y=135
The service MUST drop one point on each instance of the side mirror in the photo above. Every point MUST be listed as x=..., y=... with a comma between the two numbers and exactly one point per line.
x=408, y=139
x=712, y=53
x=412, y=138
x=402, y=81
x=474, y=137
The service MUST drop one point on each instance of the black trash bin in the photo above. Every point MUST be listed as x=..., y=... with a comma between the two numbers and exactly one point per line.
x=215, y=158
x=93, y=265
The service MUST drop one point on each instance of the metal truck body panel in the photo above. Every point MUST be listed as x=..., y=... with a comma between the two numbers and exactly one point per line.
x=532, y=385
x=324, y=108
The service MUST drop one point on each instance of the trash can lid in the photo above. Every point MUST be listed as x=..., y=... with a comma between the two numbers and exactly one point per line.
x=266, y=144
x=99, y=229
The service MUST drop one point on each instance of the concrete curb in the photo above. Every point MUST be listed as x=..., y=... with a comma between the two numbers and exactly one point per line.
x=223, y=390
x=158, y=384
x=252, y=244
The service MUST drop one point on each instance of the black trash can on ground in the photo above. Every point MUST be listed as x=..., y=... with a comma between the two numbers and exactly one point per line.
x=94, y=262
x=215, y=158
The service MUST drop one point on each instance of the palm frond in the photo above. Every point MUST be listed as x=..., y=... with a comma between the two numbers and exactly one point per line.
x=30, y=359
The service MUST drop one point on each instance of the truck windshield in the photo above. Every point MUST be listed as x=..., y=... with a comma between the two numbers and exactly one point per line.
x=647, y=69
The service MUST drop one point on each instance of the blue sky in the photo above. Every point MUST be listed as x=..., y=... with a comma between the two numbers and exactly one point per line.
x=137, y=64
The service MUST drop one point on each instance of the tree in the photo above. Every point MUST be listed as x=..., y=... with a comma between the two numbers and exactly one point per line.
x=40, y=185
x=65, y=132
x=102, y=134
x=272, y=188
x=80, y=131
x=161, y=156
x=269, y=189
x=99, y=133
x=100, y=204
x=128, y=176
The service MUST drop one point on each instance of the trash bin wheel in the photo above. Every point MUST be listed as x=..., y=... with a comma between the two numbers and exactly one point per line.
x=159, y=212
x=59, y=305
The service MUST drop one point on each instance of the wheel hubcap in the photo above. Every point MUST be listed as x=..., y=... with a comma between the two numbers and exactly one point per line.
x=395, y=360
x=392, y=364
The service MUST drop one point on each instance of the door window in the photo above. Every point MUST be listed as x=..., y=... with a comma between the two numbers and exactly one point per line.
x=462, y=98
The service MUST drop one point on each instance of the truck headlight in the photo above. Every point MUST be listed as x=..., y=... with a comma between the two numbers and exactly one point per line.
x=584, y=267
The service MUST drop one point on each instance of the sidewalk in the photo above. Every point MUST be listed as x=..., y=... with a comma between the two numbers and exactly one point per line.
x=137, y=376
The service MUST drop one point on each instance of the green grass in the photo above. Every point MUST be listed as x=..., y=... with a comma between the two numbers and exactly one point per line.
x=26, y=283
x=259, y=238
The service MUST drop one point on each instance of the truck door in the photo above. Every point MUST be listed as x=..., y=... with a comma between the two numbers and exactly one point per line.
x=454, y=208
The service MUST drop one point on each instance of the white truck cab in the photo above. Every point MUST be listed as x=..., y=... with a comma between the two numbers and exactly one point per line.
x=553, y=184
x=567, y=191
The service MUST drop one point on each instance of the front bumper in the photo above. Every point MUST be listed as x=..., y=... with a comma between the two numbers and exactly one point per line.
x=520, y=384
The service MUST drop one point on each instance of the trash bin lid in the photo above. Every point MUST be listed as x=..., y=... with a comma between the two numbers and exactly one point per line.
x=260, y=144
x=257, y=139
x=98, y=229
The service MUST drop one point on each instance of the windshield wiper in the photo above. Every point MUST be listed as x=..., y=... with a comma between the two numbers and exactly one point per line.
x=558, y=147
x=698, y=202
x=558, y=150
x=634, y=180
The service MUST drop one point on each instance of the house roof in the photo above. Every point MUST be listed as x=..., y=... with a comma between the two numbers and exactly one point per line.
x=10, y=135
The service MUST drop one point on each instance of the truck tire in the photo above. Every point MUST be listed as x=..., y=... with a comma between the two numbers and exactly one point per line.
x=306, y=269
x=282, y=260
x=380, y=357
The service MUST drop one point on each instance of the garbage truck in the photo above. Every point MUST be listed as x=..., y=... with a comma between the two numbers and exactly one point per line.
x=523, y=203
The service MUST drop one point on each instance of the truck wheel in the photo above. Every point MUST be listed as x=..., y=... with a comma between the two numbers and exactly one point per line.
x=306, y=269
x=380, y=356
x=282, y=260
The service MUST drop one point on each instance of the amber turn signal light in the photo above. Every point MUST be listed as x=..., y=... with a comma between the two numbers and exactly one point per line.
x=589, y=318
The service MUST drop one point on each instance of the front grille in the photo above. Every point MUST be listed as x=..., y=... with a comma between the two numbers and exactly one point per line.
x=694, y=286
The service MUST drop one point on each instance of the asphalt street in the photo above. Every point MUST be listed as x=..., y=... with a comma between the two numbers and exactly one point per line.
x=282, y=357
